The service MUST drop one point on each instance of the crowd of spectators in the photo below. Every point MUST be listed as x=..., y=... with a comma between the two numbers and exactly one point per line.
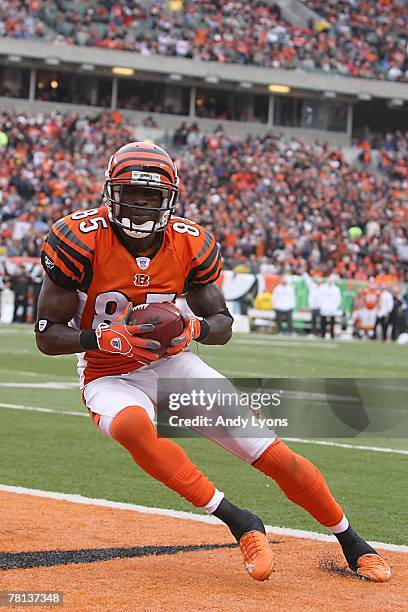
x=391, y=154
x=284, y=205
x=366, y=39
x=50, y=165
x=372, y=33
x=287, y=204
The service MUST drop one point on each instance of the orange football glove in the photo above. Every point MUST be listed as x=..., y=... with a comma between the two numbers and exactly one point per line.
x=191, y=331
x=122, y=339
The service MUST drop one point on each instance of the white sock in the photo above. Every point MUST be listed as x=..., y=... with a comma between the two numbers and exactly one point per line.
x=214, y=501
x=340, y=527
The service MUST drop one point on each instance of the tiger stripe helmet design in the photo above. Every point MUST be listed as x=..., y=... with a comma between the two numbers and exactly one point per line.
x=146, y=165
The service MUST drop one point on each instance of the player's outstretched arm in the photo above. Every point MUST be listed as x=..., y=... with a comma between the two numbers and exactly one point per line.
x=209, y=302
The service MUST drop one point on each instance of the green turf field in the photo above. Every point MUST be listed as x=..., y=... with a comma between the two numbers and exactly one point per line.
x=64, y=452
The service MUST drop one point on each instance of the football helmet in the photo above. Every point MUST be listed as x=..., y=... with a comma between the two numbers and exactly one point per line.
x=146, y=165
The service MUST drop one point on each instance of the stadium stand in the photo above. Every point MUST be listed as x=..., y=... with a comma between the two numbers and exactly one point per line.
x=392, y=154
x=375, y=31
x=50, y=165
x=367, y=41
x=283, y=204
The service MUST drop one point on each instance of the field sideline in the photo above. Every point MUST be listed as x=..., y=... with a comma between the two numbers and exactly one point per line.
x=120, y=557
x=179, y=514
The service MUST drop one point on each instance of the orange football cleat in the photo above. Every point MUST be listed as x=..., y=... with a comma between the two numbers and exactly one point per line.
x=259, y=559
x=373, y=568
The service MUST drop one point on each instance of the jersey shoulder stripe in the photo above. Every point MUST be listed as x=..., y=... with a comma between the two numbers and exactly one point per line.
x=202, y=253
x=209, y=271
x=209, y=276
x=67, y=257
x=207, y=259
x=64, y=230
x=208, y=240
x=56, y=241
x=68, y=260
x=56, y=268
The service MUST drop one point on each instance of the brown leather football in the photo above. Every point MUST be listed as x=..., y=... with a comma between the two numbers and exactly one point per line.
x=164, y=315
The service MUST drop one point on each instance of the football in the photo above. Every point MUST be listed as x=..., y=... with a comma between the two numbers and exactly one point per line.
x=164, y=315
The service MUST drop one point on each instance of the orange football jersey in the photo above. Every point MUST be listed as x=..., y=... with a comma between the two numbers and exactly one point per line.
x=83, y=253
x=371, y=298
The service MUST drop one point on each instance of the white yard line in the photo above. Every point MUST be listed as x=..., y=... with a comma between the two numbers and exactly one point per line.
x=20, y=351
x=246, y=374
x=178, y=514
x=32, y=374
x=10, y=329
x=39, y=409
x=376, y=449
x=44, y=385
x=283, y=343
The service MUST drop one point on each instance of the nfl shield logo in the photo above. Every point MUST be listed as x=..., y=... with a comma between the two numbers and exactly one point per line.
x=143, y=262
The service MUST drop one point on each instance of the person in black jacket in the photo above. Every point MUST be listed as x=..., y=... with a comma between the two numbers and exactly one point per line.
x=396, y=313
x=36, y=279
x=20, y=283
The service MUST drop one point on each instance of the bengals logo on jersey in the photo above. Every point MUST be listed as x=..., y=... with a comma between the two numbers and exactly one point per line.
x=141, y=280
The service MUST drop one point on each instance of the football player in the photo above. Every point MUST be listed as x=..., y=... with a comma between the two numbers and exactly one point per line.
x=133, y=250
x=369, y=311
